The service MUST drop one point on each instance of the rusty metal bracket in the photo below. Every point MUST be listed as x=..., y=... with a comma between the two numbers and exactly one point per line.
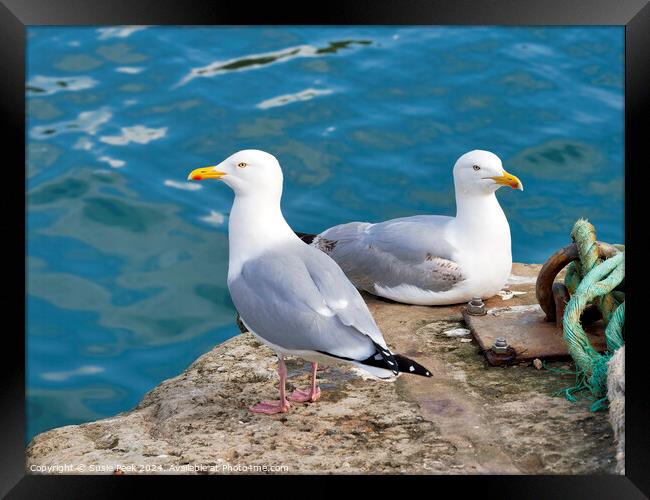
x=526, y=335
x=509, y=336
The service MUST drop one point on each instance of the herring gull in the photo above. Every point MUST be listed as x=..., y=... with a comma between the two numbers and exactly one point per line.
x=434, y=259
x=291, y=296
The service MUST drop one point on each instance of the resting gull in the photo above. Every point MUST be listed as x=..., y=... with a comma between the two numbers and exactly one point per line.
x=433, y=259
x=291, y=296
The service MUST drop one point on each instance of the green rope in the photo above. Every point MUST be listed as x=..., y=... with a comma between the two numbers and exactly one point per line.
x=614, y=331
x=561, y=371
x=592, y=280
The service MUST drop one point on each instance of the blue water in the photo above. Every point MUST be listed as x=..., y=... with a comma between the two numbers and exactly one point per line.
x=128, y=262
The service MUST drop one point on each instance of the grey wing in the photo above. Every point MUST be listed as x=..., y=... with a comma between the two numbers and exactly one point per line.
x=278, y=298
x=340, y=294
x=410, y=250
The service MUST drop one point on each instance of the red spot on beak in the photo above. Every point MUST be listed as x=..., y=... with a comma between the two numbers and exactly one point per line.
x=197, y=178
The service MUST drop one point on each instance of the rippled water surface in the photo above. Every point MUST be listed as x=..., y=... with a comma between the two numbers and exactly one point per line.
x=128, y=261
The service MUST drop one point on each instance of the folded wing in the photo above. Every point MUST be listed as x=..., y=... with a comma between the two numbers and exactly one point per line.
x=410, y=250
x=299, y=299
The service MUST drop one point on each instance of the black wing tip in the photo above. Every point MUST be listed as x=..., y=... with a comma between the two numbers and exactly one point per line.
x=406, y=365
x=395, y=363
x=306, y=237
x=382, y=358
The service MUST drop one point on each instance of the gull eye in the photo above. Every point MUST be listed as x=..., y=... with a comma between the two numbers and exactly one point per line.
x=242, y=165
x=476, y=167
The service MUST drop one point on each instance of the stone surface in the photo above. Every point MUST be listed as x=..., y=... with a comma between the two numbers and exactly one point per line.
x=468, y=418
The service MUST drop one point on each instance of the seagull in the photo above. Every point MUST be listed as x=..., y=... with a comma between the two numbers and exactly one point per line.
x=434, y=259
x=291, y=296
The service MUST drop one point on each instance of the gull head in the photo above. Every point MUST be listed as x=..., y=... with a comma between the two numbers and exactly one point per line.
x=481, y=172
x=250, y=171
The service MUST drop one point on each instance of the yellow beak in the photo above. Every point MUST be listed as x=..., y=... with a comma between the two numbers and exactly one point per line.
x=198, y=174
x=508, y=180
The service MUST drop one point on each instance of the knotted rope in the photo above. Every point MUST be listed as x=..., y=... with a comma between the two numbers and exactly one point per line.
x=592, y=280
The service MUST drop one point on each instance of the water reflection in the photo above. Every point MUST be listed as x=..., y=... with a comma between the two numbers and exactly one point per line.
x=48, y=85
x=87, y=121
x=261, y=60
x=561, y=160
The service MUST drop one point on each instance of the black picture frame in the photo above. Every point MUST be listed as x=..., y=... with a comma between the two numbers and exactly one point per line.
x=15, y=15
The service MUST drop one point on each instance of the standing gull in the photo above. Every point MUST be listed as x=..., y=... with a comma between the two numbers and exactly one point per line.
x=434, y=259
x=291, y=296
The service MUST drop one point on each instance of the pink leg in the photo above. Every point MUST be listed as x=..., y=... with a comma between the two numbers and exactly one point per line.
x=312, y=395
x=272, y=407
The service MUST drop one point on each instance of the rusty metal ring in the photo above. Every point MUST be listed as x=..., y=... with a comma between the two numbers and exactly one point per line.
x=552, y=267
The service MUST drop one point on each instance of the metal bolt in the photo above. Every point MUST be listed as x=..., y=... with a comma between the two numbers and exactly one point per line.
x=476, y=307
x=500, y=345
